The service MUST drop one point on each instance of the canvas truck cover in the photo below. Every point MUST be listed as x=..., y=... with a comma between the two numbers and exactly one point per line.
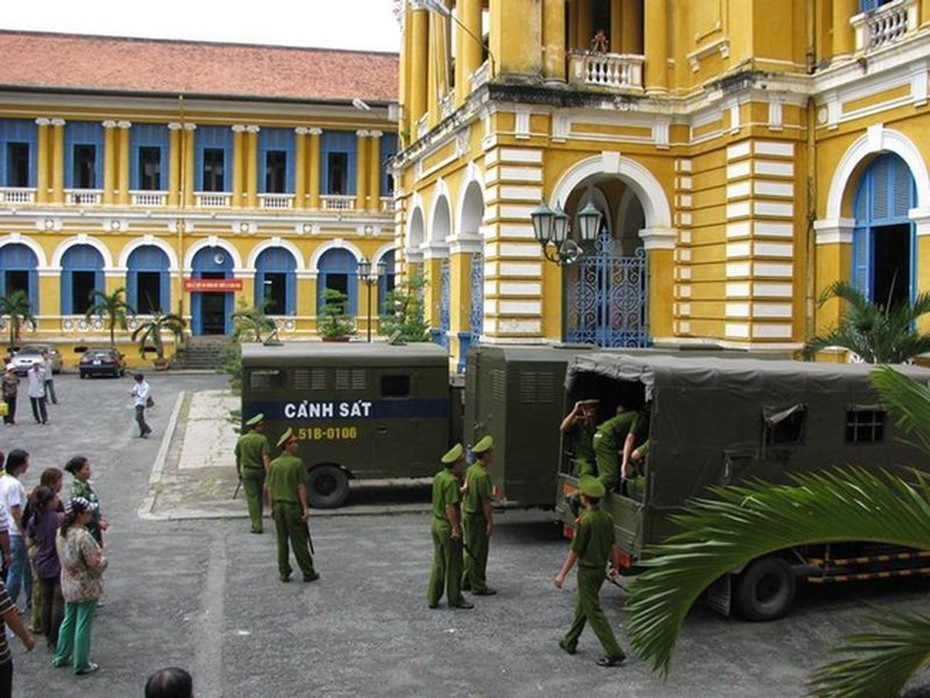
x=713, y=419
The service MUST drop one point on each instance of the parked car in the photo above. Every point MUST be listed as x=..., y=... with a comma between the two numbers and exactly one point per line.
x=102, y=361
x=32, y=353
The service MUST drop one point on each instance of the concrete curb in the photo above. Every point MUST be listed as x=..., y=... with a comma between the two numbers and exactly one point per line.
x=148, y=503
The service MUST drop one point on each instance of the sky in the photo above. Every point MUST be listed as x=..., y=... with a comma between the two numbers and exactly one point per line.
x=349, y=24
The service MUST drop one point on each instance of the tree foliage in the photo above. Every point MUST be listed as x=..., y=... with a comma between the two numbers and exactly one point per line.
x=112, y=309
x=406, y=314
x=18, y=309
x=149, y=332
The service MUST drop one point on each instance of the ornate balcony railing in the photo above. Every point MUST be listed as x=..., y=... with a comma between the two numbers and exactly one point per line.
x=157, y=199
x=606, y=69
x=387, y=204
x=84, y=197
x=334, y=202
x=17, y=195
x=211, y=199
x=884, y=25
x=481, y=76
x=276, y=201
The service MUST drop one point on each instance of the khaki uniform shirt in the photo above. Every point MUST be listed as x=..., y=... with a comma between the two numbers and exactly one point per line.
x=445, y=492
x=594, y=538
x=249, y=450
x=478, y=480
x=285, y=473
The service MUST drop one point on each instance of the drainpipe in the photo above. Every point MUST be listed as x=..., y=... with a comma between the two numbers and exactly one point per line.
x=811, y=179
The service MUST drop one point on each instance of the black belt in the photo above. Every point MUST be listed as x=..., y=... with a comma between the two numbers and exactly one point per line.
x=253, y=467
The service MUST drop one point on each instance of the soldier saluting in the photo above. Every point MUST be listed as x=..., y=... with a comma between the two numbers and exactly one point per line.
x=446, y=530
x=253, y=453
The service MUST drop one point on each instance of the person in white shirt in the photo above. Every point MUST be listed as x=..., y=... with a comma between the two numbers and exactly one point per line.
x=49, y=379
x=4, y=530
x=13, y=495
x=36, y=378
x=140, y=396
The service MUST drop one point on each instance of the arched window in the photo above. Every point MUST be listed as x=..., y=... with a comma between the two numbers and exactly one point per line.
x=147, y=281
x=19, y=264
x=276, y=281
x=338, y=270
x=81, y=275
x=385, y=281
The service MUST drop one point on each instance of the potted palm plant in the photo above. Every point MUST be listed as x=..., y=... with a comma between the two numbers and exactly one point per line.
x=335, y=325
x=148, y=333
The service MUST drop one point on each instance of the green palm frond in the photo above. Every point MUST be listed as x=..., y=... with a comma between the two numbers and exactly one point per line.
x=747, y=522
x=251, y=323
x=908, y=400
x=904, y=648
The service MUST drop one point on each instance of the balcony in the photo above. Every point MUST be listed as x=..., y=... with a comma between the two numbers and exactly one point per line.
x=84, y=197
x=884, y=25
x=613, y=70
x=277, y=202
x=212, y=199
x=387, y=204
x=149, y=199
x=446, y=106
x=337, y=202
x=481, y=76
x=17, y=195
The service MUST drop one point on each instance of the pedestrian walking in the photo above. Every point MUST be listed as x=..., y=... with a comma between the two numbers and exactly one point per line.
x=13, y=494
x=10, y=388
x=41, y=529
x=13, y=621
x=49, y=378
x=81, y=486
x=446, y=531
x=35, y=378
x=478, y=519
x=170, y=682
x=82, y=566
x=141, y=399
x=290, y=509
x=591, y=546
x=253, y=455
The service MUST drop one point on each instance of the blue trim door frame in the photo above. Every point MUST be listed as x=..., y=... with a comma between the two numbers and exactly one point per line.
x=211, y=311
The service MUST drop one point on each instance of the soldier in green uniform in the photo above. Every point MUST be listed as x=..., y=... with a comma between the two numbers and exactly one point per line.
x=478, y=519
x=447, y=534
x=289, y=508
x=252, y=456
x=591, y=546
x=609, y=443
x=579, y=425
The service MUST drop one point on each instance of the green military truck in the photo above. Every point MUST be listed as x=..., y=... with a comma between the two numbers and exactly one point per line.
x=717, y=421
x=361, y=410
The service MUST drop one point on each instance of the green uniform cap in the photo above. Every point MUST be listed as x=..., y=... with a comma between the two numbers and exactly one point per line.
x=486, y=443
x=257, y=419
x=592, y=487
x=288, y=433
x=453, y=454
x=591, y=401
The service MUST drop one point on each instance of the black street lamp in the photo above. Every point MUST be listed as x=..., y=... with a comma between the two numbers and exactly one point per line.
x=364, y=272
x=552, y=232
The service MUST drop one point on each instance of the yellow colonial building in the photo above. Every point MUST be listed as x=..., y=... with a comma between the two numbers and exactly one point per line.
x=742, y=156
x=195, y=176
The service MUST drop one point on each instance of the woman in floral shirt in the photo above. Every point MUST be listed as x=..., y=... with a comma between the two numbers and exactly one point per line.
x=82, y=566
x=79, y=466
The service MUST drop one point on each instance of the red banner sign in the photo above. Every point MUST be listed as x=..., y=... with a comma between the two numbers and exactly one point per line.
x=216, y=285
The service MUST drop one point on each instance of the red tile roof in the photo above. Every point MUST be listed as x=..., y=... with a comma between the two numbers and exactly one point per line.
x=98, y=63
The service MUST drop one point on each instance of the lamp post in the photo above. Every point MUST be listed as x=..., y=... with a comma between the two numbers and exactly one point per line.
x=551, y=228
x=364, y=271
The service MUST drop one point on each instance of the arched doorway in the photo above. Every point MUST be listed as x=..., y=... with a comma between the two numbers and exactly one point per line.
x=338, y=270
x=276, y=281
x=438, y=234
x=147, y=280
x=606, y=291
x=19, y=265
x=81, y=275
x=884, y=239
x=211, y=310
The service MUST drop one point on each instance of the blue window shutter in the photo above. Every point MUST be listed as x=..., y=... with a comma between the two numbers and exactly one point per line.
x=213, y=137
x=276, y=139
x=902, y=189
x=339, y=142
x=132, y=287
x=388, y=150
x=83, y=133
x=338, y=262
x=860, y=260
x=18, y=131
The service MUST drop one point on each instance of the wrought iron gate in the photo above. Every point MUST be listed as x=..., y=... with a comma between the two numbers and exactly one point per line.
x=606, y=298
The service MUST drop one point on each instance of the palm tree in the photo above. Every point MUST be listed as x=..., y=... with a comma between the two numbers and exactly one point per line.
x=111, y=308
x=149, y=332
x=879, y=334
x=18, y=308
x=250, y=323
x=746, y=522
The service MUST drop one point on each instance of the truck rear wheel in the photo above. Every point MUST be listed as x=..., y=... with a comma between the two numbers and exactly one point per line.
x=328, y=486
x=765, y=589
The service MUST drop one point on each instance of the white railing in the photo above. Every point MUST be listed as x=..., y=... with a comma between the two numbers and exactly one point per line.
x=17, y=195
x=481, y=76
x=157, y=199
x=79, y=323
x=277, y=201
x=210, y=199
x=884, y=25
x=334, y=202
x=387, y=204
x=606, y=69
x=84, y=197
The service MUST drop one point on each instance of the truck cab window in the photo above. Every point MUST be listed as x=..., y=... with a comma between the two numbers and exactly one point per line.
x=267, y=379
x=784, y=424
x=865, y=425
x=395, y=386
